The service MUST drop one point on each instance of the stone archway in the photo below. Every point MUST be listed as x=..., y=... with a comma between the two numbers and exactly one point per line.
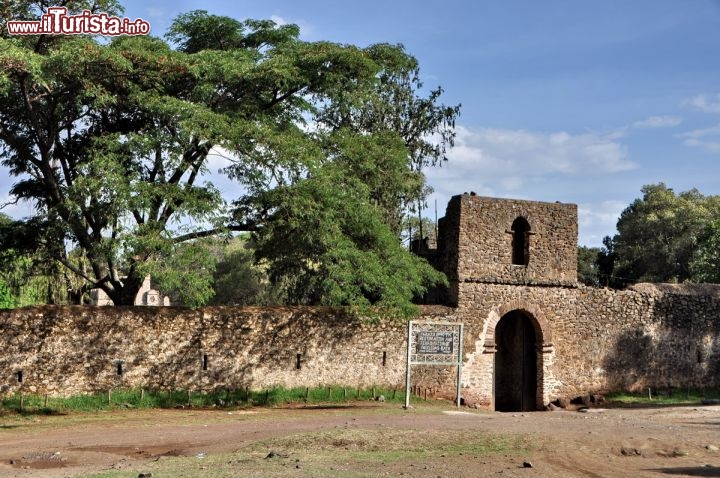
x=518, y=345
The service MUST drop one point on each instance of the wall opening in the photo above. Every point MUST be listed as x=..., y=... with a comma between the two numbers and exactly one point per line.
x=520, y=242
x=516, y=363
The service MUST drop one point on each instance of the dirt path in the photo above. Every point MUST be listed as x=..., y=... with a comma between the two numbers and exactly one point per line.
x=658, y=442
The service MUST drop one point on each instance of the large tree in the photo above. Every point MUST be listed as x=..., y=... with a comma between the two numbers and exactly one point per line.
x=30, y=270
x=659, y=235
x=326, y=239
x=426, y=126
x=109, y=140
x=587, y=265
x=705, y=264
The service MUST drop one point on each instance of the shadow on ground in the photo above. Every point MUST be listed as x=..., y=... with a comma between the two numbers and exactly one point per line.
x=711, y=471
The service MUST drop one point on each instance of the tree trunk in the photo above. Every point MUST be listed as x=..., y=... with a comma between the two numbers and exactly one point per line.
x=125, y=294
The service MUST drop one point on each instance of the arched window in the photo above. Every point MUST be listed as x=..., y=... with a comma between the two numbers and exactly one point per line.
x=520, y=242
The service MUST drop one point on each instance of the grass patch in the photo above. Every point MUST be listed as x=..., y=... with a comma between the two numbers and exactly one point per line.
x=231, y=399
x=343, y=453
x=663, y=397
x=394, y=444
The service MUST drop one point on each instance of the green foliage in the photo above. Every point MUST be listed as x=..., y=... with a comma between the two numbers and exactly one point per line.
x=197, y=30
x=242, y=397
x=7, y=301
x=666, y=397
x=184, y=272
x=587, y=267
x=415, y=228
x=25, y=10
x=425, y=126
x=606, y=263
x=325, y=239
x=238, y=280
x=705, y=264
x=658, y=235
x=27, y=267
x=109, y=142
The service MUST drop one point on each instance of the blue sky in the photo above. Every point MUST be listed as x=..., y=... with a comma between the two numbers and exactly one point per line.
x=580, y=102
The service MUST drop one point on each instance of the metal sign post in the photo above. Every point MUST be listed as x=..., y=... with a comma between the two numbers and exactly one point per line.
x=434, y=343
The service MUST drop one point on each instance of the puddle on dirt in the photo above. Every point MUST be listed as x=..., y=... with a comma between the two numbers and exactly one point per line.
x=41, y=461
x=135, y=452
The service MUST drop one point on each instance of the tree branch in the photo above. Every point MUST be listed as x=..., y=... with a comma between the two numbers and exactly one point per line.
x=9, y=203
x=214, y=232
x=281, y=98
x=94, y=283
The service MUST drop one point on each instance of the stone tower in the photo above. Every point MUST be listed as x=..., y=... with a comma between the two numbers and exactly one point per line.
x=508, y=263
x=507, y=241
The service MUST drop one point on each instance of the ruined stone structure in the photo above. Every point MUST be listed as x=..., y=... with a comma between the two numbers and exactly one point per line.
x=145, y=296
x=532, y=333
x=535, y=333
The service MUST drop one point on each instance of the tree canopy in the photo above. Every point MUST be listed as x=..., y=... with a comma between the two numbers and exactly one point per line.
x=109, y=142
x=665, y=237
x=325, y=238
x=705, y=263
x=587, y=265
x=28, y=272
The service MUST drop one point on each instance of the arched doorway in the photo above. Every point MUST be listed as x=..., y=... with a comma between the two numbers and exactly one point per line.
x=516, y=363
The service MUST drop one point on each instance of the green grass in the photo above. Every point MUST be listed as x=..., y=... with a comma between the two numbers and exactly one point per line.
x=343, y=453
x=663, y=396
x=239, y=398
x=395, y=445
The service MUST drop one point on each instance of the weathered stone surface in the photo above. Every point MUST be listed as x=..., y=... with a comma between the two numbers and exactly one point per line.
x=65, y=350
x=587, y=340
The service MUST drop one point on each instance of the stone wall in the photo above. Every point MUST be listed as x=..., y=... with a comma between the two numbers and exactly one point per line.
x=588, y=340
x=585, y=340
x=594, y=340
x=65, y=350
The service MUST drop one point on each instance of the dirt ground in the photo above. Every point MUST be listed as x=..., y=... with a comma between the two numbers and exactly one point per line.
x=434, y=440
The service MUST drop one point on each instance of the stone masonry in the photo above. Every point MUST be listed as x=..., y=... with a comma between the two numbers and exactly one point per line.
x=66, y=350
x=532, y=333
x=586, y=340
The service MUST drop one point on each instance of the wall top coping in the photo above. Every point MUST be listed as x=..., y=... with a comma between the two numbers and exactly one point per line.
x=488, y=199
x=707, y=290
x=51, y=310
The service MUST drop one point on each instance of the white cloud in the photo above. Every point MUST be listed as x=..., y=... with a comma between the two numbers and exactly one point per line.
x=651, y=122
x=531, y=165
x=701, y=133
x=279, y=20
x=155, y=12
x=219, y=158
x=699, y=138
x=597, y=220
x=666, y=121
x=507, y=152
x=16, y=210
x=705, y=103
x=306, y=29
x=709, y=146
